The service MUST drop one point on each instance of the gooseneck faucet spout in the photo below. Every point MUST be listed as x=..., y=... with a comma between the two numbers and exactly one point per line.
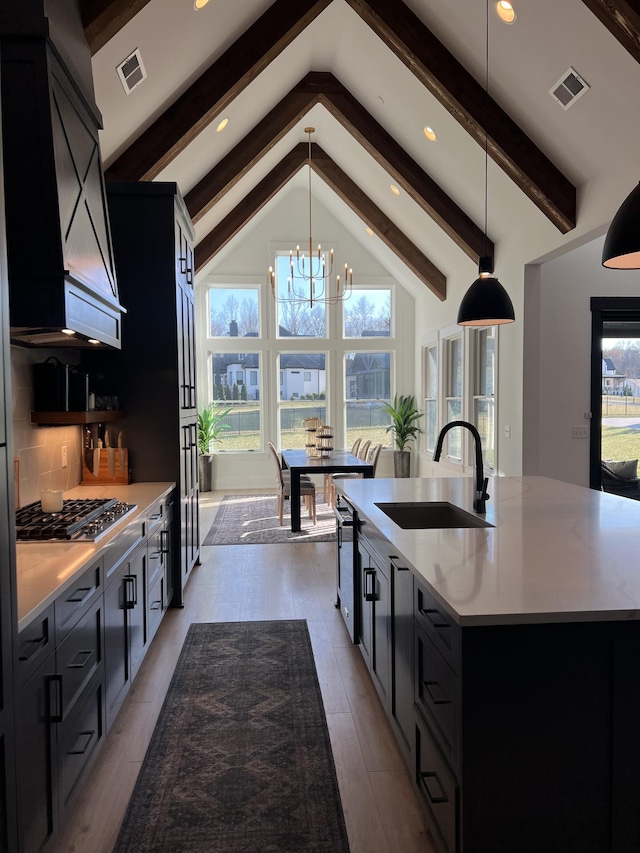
x=481, y=496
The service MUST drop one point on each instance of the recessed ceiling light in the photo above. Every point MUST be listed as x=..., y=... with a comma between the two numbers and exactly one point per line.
x=222, y=125
x=199, y=4
x=369, y=231
x=67, y=331
x=506, y=12
x=92, y=341
x=395, y=190
x=430, y=134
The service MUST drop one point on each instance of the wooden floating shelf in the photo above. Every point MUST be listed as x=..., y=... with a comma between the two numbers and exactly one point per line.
x=71, y=418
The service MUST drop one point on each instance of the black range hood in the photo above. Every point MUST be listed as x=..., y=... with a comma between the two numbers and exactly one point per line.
x=61, y=268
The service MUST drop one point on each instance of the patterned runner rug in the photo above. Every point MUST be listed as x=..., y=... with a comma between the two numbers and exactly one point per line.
x=253, y=520
x=240, y=759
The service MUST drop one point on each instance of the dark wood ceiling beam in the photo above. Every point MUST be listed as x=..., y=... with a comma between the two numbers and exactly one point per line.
x=441, y=73
x=102, y=19
x=622, y=19
x=346, y=189
x=247, y=153
x=215, y=89
x=324, y=88
x=254, y=201
x=390, y=234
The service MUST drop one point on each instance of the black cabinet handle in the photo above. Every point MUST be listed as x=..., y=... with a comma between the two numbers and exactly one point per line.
x=81, y=659
x=55, y=698
x=155, y=555
x=183, y=265
x=164, y=541
x=369, y=584
x=80, y=594
x=155, y=605
x=433, y=788
x=31, y=647
x=129, y=592
x=435, y=619
x=80, y=749
x=438, y=696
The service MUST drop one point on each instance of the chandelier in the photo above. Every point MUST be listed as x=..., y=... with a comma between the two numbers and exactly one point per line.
x=309, y=279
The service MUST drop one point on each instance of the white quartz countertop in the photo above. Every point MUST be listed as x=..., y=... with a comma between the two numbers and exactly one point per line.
x=556, y=552
x=45, y=569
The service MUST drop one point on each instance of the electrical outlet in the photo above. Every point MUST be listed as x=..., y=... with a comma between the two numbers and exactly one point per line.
x=64, y=456
x=580, y=432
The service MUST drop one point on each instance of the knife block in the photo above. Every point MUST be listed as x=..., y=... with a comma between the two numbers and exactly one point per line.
x=111, y=465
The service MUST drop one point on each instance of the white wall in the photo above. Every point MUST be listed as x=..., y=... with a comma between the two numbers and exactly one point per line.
x=557, y=368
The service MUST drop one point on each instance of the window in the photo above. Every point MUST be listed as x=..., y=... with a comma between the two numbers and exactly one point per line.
x=298, y=319
x=300, y=398
x=234, y=312
x=227, y=386
x=367, y=313
x=453, y=394
x=431, y=396
x=484, y=384
x=367, y=381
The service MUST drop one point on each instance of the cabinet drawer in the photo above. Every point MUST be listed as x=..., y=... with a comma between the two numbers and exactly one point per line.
x=155, y=606
x=438, y=790
x=35, y=643
x=78, y=739
x=76, y=600
x=155, y=556
x=437, y=625
x=121, y=546
x=155, y=515
x=79, y=655
x=436, y=693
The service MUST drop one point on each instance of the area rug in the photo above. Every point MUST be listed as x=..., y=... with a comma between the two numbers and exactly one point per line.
x=240, y=759
x=253, y=520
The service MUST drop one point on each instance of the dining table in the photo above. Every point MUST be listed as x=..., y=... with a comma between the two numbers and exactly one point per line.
x=298, y=463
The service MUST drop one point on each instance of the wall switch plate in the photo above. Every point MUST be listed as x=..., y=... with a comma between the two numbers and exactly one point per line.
x=64, y=456
x=579, y=432
x=507, y=432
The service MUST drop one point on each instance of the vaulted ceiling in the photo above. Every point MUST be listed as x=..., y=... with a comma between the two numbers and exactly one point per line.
x=370, y=75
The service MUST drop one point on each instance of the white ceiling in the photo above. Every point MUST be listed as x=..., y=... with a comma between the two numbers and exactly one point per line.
x=595, y=140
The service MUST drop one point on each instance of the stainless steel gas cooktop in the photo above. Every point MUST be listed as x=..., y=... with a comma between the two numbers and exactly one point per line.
x=80, y=520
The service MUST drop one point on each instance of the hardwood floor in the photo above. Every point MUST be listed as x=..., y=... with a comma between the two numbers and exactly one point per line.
x=245, y=582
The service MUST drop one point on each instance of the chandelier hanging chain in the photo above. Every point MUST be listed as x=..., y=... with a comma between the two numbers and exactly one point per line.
x=317, y=281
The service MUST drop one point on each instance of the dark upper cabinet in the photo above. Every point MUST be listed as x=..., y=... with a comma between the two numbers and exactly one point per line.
x=61, y=266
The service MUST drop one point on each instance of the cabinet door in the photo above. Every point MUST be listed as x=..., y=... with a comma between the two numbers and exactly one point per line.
x=375, y=628
x=166, y=545
x=38, y=704
x=116, y=645
x=402, y=681
x=135, y=579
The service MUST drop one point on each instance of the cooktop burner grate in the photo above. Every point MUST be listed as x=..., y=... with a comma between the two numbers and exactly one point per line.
x=82, y=518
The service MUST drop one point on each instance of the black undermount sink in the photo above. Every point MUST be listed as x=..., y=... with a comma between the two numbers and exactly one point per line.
x=430, y=515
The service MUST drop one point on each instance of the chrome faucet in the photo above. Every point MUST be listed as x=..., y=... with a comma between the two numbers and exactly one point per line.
x=481, y=496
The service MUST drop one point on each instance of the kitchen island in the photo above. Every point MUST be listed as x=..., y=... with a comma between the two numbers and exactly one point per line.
x=508, y=660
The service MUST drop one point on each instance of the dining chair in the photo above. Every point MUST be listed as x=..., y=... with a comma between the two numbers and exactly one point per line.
x=372, y=454
x=307, y=489
x=327, y=477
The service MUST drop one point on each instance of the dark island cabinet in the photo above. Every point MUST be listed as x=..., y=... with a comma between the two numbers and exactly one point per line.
x=154, y=372
x=375, y=616
x=402, y=714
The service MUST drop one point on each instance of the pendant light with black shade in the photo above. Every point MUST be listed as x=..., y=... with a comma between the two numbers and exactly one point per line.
x=621, y=249
x=486, y=303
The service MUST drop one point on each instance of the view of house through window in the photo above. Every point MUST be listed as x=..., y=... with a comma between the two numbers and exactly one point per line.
x=620, y=398
x=453, y=395
x=431, y=396
x=367, y=381
x=302, y=395
x=234, y=312
x=235, y=385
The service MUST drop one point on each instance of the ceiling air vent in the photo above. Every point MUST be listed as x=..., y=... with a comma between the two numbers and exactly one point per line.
x=131, y=72
x=568, y=89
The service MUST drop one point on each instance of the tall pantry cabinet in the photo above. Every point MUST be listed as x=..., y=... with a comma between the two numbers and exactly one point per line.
x=153, y=375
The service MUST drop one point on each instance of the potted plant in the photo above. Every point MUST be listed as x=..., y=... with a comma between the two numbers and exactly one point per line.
x=210, y=427
x=404, y=415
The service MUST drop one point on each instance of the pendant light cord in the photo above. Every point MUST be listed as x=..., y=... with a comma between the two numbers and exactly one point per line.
x=486, y=146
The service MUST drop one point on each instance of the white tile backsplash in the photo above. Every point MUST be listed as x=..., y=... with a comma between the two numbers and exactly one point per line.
x=38, y=448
